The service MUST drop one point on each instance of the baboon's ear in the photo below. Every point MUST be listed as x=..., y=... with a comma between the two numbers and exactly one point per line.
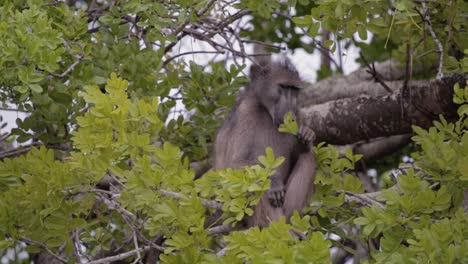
x=257, y=71
x=262, y=62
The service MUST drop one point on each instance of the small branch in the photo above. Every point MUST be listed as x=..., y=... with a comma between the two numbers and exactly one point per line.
x=67, y=71
x=188, y=53
x=79, y=58
x=220, y=229
x=366, y=198
x=279, y=47
x=14, y=110
x=427, y=52
x=135, y=242
x=375, y=75
x=208, y=6
x=427, y=19
x=44, y=247
x=4, y=137
x=128, y=217
x=178, y=196
x=17, y=151
x=121, y=256
x=232, y=18
x=323, y=50
x=75, y=236
x=222, y=252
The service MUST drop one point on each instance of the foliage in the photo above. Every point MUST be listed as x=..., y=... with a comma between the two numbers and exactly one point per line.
x=399, y=23
x=102, y=92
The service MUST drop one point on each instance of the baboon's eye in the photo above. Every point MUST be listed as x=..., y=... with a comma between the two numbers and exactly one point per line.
x=289, y=87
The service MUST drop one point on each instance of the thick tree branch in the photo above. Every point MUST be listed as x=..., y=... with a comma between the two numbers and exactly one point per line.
x=358, y=83
x=353, y=119
x=379, y=147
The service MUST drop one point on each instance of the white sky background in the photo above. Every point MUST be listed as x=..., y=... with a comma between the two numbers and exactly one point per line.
x=306, y=64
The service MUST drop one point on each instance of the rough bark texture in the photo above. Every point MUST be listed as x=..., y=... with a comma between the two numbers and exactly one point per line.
x=352, y=119
x=358, y=83
x=378, y=148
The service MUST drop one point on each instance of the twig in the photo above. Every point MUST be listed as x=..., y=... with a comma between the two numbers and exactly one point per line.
x=44, y=247
x=239, y=40
x=375, y=75
x=79, y=58
x=427, y=19
x=127, y=216
x=202, y=11
x=121, y=256
x=279, y=47
x=220, y=229
x=233, y=18
x=427, y=52
x=228, y=42
x=178, y=196
x=13, y=110
x=366, y=198
x=17, y=151
x=324, y=50
x=405, y=90
x=135, y=242
x=188, y=53
x=4, y=137
x=222, y=252
x=76, y=245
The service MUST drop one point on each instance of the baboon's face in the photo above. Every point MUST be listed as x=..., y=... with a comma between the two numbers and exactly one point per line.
x=279, y=95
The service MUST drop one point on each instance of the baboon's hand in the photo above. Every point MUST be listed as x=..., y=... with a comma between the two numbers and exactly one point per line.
x=306, y=135
x=276, y=196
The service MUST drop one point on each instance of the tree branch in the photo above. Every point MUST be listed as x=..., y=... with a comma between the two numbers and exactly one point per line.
x=178, y=196
x=427, y=19
x=44, y=247
x=121, y=256
x=358, y=83
x=349, y=120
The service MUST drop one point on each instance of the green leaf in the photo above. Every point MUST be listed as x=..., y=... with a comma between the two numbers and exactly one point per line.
x=302, y=21
x=35, y=88
x=289, y=125
x=328, y=43
x=361, y=221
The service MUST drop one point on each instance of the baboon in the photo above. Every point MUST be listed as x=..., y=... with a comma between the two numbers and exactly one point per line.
x=253, y=125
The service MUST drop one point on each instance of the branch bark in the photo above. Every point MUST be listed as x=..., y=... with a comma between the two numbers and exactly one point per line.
x=359, y=83
x=349, y=120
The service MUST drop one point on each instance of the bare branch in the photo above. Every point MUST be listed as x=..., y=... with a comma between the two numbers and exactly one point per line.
x=188, y=53
x=220, y=229
x=178, y=196
x=121, y=256
x=14, y=110
x=427, y=19
x=17, y=151
x=365, y=198
x=222, y=252
x=135, y=242
x=44, y=247
x=270, y=45
x=79, y=58
x=375, y=75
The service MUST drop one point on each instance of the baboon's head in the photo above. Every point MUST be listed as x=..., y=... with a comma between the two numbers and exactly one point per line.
x=276, y=85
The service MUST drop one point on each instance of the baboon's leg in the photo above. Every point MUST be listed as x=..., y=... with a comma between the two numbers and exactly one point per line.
x=299, y=187
x=264, y=213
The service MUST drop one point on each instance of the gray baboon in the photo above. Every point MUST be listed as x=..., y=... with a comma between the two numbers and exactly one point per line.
x=253, y=125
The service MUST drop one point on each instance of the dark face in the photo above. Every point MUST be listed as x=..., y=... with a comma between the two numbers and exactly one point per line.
x=279, y=100
x=276, y=85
